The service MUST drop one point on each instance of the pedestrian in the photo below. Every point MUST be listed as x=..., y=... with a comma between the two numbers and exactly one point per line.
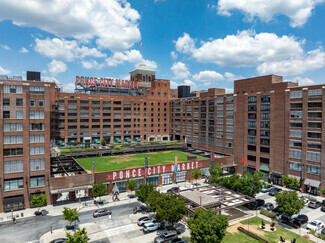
x=14, y=219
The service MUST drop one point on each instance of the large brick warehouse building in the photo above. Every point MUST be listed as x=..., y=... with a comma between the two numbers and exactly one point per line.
x=276, y=126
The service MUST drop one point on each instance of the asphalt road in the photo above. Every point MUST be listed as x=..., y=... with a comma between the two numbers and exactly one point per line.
x=32, y=228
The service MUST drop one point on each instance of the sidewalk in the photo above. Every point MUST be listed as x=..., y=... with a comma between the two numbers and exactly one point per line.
x=55, y=210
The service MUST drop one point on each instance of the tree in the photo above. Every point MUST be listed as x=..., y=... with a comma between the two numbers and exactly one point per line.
x=80, y=236
x=323, y=191
x=205, y=226
x=70, y=214
x=289, y=202
x=99, y=190
x=103, y=142
x=196, y=174
x=132, y=184
x=171, y=208
x=143, y=192
x=215, y=174
x=290, y=181
x=39, y=201
x=153, y=200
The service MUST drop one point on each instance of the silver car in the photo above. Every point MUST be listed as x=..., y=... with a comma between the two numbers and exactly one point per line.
x=144, y=220
x=149, y=227
x=101, y=212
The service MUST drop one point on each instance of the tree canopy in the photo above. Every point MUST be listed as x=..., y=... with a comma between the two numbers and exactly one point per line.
x=70, y=214
x=80, y=236
x=103, y=142
x=39, y=201
x=289, y=202
x=132, y=184
x=205, y=226
x=99, y=190
x=143, y=192
x=215, y=174
x=290, y=181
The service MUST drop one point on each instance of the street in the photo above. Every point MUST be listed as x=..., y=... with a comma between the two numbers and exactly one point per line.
x=32, y=228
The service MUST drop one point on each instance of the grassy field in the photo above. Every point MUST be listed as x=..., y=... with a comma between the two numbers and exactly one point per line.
x=128, y=161
x=269, y=236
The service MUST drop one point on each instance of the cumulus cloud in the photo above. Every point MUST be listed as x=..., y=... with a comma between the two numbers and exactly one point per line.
x=4, y=71
x=185, y=44
x=303, y=81
x=293, y=66
x=112, y=24
x=297, y=11
x=66, y=50
x=69, y=87
x=132, y=56
x=229, y=91
x=208, y=76
x=174, y=55
x=92, y=64
x=23, y=50
x=50, y=79
x=230, y=77
x=180, y=70
x=55, y=67
x=173, y=84
x=5, y=47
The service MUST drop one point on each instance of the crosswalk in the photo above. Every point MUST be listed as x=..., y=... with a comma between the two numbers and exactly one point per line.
x=120, y=230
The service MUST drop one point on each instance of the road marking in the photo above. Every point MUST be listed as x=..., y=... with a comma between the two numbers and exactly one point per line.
x=121, y=230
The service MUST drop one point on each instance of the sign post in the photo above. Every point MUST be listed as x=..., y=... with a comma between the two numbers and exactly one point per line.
x=245, y=167
x=145, y=169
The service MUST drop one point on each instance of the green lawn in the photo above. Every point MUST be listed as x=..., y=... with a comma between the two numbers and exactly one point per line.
x=128, y=161
x=269, y=236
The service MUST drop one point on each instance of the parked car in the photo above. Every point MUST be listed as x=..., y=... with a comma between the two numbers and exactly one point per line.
x=59, y=240
x=166, y=237
x=268, y=206
x=267, y=189
x=287, y=218
x=300, y=219
x=277, y=211
x=173, y=189
x=322, y=209
x=314, y=205
x=144, y=220
x=323, y=231
x=149, y=227
x=101, y=212
x=315, y=225
x=257, y=204
x=178, y=240
x=274, y=190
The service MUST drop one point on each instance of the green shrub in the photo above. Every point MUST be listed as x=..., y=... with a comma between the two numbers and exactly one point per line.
x=174, y=143
x=268, y=214
x=322, y=236
x=64, y=151
x=312, y=232
x=313, y=199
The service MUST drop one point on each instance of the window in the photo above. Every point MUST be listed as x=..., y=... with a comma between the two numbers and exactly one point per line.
x=296, y=114
x=40, y=103
x=295, y=154
x=219, y=121
x=36, y=115
x=229, y=107
x=12, y=89
x=6, y=114
x=13, y=166
x=229, y=129
x=36, y=90
x=251, y=158
x=314, y=145
x=252, y=108
x=229, y=114
x=72, y=107
x=316, y=135
x=314, y=104
x=252, y=132
x=19, y=114
x=295, y=124
x=265, y=133
x=265, y=124
x=251, y=140
x=36, y=138
x=219, y=135
x=220, y=143
x=265, y=141
x=13, y=152
x=296, y=105
x=84, y=114
x=251, y=147
x=36, y=126
x=252, y=99
x=19, y=102
x=36, y=150
x=229, y=136
x=294, y=166
x=84, y=102
x=32, y=103
x=294, y=143
x=315, y=92
x=312, y=169
x=264, y=160
x=13, y=184
x=37, y=181
x=251, y=116
x=95, y=102
x=265, y=99
x=295, y=94
x=314, y=114
x=117, y=103
x=106, y=102
x=229, y=121
x=312, y=156
x=251, y=123
x=12, y=127
x=220, y=100
x=219, y=128
x=72, y=101
x=265, y=107
x=13, y=139
x=230, y=99
x=314, y=125
x=265, y=116
x=219, y=107
x=265, y=150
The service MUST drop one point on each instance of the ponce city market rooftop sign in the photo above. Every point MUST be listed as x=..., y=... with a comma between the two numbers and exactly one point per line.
x=106, y=82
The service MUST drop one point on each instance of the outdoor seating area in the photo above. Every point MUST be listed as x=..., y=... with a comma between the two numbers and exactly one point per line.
x=268, y=227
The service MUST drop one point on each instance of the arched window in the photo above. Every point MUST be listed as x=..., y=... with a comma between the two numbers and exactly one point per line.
x=149, y=78
x=143, y=78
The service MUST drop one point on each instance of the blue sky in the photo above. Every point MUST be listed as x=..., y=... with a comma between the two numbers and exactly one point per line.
x=204, y=43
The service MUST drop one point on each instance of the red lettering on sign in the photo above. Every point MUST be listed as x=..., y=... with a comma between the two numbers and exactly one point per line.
x=77, y=80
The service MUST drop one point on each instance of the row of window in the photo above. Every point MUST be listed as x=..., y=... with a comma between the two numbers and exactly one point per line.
x=15, y=184
x=298, y=144
x=105, y=102
x=97, y=114
x=312, y=169
x=204, y=102
x=299, y=105
x=19, y=139
x=311, y=93
x=298, y=114
x=263, y=141
x=18, y=165
x=19, y=115
x=264, y=116
x=311, y=156
x=18, y=89
x=264, y=99
x=298, y=134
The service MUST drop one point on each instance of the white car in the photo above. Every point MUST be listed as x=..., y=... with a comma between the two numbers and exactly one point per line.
x=315, y=225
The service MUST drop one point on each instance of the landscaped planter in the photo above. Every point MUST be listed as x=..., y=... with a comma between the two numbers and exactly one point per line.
x=306, y=237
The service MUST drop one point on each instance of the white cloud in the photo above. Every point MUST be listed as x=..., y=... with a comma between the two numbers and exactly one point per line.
x=132, y=56
x=92, y=64
x=297, y=11
x=61, y=49
x=180, y=70
x=173, y=84
x=55, y=67
x=50, y=79
x=5, y=47
x=293, y=66
x=174, y=55
x=185, y=44
x=208, y=76
x=229, y=91
x=23, y=50
x=4, y=71
x=303, y=81
x=112, y=24
x=230, y=77
x=69, y=87
x=247, y=48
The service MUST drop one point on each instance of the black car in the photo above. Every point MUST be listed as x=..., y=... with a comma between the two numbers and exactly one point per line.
x=257, y=204
x=287, y=218
x=59, y=240
x=274, y=190
x=300, y=219
x=314, y=205
x=178, y=240
x=277, y=211
x=322, y=208
x=173, y=189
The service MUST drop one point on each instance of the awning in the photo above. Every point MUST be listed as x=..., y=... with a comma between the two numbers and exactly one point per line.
x=264, y=168
x=16, y=199
x=71, y=189
x=312, y=183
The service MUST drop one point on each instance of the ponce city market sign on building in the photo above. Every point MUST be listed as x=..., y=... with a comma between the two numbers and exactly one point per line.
x=153, y=170
x=106, y=82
